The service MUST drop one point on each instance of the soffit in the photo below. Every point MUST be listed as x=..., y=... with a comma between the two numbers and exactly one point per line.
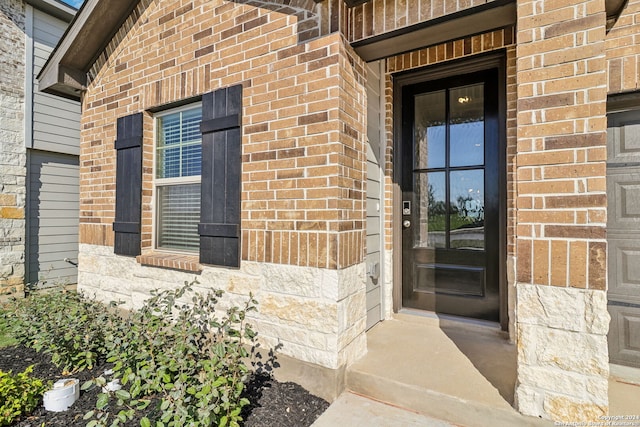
x=54, y=8
x=65, y=72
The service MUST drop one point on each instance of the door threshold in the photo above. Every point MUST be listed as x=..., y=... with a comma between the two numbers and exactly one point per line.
x=451, y=321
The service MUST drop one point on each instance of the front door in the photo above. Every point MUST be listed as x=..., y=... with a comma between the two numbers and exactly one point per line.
x=451, y=195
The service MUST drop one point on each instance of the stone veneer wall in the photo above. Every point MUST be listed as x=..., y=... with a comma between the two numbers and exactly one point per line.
x=316, y=314
x=561, y=277
x=303, y=164
x=13, y=156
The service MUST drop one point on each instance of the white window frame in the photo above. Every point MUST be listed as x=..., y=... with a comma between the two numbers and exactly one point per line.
x=162, y=182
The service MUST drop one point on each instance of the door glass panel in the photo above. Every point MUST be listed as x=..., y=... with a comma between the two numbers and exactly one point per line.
x=467, y=209
x=430, y=230
x=467, y=126
x=430, y=130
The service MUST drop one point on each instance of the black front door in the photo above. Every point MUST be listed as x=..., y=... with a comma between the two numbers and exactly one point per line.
x=451, y=195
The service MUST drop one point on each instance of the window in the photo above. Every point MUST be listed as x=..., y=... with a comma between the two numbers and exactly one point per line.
x=177, y=178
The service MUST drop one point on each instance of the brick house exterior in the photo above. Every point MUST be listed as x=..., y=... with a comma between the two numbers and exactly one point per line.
x=307, y=73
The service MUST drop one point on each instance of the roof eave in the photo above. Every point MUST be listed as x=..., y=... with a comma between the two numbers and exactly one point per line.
x=65, y=72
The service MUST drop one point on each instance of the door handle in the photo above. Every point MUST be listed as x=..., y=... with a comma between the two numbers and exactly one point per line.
x=406, y=223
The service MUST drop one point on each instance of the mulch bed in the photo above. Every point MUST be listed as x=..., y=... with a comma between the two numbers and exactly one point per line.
x=272, y=403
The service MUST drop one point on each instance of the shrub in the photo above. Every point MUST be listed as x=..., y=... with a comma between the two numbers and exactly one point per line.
x=185, y=355
x=19, y=394
x=71, y=328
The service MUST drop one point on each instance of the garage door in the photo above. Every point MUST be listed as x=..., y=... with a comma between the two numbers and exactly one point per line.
x=623, y=231
x=53, y=212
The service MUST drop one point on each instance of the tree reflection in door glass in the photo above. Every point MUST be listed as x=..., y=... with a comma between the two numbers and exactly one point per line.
x=431, y=231
x=466, y=205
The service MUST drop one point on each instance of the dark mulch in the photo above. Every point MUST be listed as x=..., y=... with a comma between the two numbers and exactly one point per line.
x=272, y=403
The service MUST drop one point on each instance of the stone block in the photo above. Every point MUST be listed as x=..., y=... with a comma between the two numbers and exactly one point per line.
x=573, y=351
x=554, y=307
x=353, y=351
x=579, y=310
x=597, y=316
x=12, y=213
x=312, y=314
x=6, y=270
x=565, y=409
x=352, y=309
x=312, y=339
x=529, y=401
x=7, y=199
x=338, y=284
x=527, y=344
x=551, y=379
x=292, y=280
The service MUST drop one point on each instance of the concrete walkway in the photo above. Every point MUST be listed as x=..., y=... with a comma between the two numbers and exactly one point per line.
x=351, y=410
x=463, y=373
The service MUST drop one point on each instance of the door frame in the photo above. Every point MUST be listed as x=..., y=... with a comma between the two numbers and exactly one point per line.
x=476, y=63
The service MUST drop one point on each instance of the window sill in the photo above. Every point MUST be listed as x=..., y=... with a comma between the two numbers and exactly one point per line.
x=188, y=263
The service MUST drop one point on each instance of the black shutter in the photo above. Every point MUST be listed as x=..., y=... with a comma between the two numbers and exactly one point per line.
x=219, y=226
x=128, y=185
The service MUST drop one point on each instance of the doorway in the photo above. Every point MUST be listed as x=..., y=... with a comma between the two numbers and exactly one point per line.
x=450, y=163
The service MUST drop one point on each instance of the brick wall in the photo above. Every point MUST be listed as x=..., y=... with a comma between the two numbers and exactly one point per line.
x=562, y=146
x=303, y=164
x=12, y=146
x=623, y=50
x=380, y=16
x=561, y=210
x=303, y=160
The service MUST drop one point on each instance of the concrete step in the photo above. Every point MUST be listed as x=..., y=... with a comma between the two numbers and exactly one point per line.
x=351, y=410
x=459, y=372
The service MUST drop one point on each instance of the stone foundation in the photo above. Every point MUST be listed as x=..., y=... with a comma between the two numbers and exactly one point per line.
x=563, y=363
x=13, y=158
x=317, y=315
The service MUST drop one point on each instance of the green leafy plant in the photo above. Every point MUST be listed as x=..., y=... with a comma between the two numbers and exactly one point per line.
x=70, y=327
x=6, y=339
x=19, y=394
x=179, y=351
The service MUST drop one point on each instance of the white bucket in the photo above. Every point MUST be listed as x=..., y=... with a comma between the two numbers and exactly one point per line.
x=63, y=394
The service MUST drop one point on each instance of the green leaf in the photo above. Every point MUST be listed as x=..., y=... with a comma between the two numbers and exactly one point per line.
x=86, y=385
x=144, y=422
x=103, y=401
x=123, y=394
x=88, y=415
x=223, y=421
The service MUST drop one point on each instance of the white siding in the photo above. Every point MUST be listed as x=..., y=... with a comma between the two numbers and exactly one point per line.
x=53, y=207
x=56, y=121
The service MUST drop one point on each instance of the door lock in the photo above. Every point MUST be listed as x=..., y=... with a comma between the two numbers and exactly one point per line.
x=406, y=223
x=406, y=207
